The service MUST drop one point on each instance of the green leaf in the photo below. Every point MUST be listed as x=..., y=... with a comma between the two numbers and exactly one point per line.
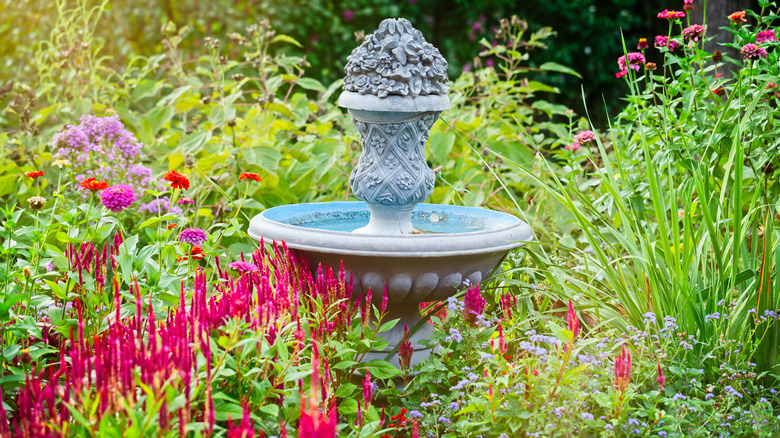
x=286, y=39
x=440, y=146
x=266, y=157
x=192, y=144
x=311, y=84
x=381, y=369
x=553, y=66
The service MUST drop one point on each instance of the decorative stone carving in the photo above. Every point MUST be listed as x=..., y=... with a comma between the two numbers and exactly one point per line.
x=392, y=169
x=396, y=60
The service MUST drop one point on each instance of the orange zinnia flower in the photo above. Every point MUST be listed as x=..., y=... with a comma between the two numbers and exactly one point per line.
x=34, y=175
x=249, y=175
x=91, y=184
x=170, y=226
x=197, y=254
x=178, y=181
x=737, y=17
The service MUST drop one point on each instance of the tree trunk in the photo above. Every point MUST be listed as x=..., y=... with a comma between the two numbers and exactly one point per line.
x=717, y=17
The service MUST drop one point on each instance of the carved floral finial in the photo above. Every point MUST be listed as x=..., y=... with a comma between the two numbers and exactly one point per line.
x=396, y=60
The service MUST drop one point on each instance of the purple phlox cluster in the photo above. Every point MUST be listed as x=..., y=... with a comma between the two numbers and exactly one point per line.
x=678, y=396
x=664, y=41
x=631, y=60
x=454, y=335
x=753, y=52
x=533, y=349
x=670, y=324
x=711, y=316
x=662, y=434
x=193, y=236
x=454, y=406
x=118, y=197
x=731, y=391
x=159, y=206
x=454, y=305
x=242, y=266
x=693, y=32
x=542, y=339
x=101, y=148
x=708, y=396
x=586, y=416
x=766, y=36
x=487, y=356
x=430, y=404
x=416, y=414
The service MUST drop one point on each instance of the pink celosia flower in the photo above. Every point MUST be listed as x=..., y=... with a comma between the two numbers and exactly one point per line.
x=662, y=41
x=671, y=15
x=368, y=390
x=661, y=379
x=766, y=36
x=473, y=305
x=623, y=370
x=753, y=52
x=118, y=198
x=242, y=266
x=574, y=322
x=245, y=429
x=693, y=32
x=405, y=351
x=586, y=136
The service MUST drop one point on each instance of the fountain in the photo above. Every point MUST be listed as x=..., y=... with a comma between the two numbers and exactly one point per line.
x=394, y=90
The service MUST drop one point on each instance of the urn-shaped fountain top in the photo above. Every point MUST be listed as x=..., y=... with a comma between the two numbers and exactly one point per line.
x=395, y=70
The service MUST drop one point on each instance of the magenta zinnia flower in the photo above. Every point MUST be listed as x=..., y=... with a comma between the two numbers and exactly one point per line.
x=765, y=36
x=193, y=236
x=572, y=147
x=242, y=266
x=632, y=60
x=693, y=32
x=753, y=52
x=117, y=198
x=687, y=5
x=662, y=41
x=671, y=15
x=585, y=136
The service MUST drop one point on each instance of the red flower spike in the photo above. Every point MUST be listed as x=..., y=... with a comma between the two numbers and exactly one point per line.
x=92, y=185
x=33, y=175
x=249, y=175
x=574, y=322
x=178, y=181
x=405, y=351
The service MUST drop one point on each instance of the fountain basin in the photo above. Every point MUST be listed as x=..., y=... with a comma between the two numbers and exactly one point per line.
x=458, y=244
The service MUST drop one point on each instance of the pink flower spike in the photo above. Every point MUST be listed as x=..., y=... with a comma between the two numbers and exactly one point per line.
x=661, y=379
x=383, y=307
x=574, y=322
x=368, y=390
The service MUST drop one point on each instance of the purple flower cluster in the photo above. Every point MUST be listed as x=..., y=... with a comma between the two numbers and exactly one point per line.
x=118, y=198
x=101, y=148
x=193, y=236
x=159, y=206
x=766, y=36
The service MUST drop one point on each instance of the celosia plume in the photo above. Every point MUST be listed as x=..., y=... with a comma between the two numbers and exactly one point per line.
x=573, y=321
x=661, y=379
x=623, y=370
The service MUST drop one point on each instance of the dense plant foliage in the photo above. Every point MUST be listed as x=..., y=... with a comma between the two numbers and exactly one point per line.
x=134, y=304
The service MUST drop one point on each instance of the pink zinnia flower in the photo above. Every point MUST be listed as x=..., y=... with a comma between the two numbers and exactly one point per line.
x=586, y=136
x=662, y=41
x=687, y=5
x=632, y=60
x=193, y=236
x=574, y=146
x=242, y=267
x=118, y=198
x=671, y=15
x=642, y=45
x=693, y=32
x=348, y=15
x=753, y=52
x=766, y=36
x=186, y=200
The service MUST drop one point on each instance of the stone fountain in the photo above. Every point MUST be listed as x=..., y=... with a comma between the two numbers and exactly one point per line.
x=395, y=89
